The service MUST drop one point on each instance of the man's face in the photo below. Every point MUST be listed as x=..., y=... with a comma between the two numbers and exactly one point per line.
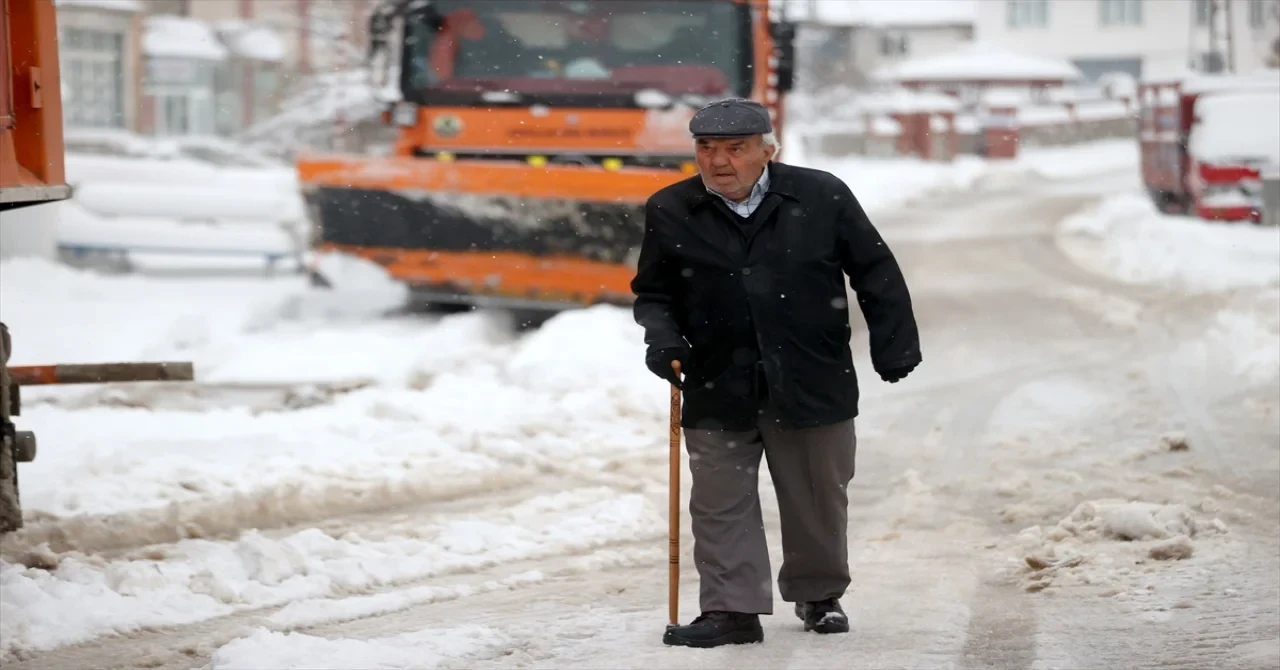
x=731, y=165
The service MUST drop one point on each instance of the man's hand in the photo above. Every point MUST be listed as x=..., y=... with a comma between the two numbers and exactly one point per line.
x=659, y=363
x=895, y=375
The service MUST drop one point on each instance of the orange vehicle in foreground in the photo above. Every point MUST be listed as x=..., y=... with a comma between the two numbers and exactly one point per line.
x=32, y=173
x=531, y=134
x=1205, y=141
x=31, y=164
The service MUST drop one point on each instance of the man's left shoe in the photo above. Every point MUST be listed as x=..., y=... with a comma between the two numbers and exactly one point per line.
x=823, y=616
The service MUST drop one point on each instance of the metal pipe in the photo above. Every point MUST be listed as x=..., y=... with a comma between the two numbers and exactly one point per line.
x=99, y=373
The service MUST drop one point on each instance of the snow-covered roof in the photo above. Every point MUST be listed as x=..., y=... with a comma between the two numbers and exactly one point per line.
x=181, y=37
x=253, y=41
x=904, y=13
x=131, y=6
x=978, y=61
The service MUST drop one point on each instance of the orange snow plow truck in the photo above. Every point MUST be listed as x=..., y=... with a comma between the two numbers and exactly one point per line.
x=32, y=173
x=531, y=132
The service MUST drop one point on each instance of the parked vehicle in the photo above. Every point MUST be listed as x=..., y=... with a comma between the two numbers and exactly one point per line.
x=1205, y=141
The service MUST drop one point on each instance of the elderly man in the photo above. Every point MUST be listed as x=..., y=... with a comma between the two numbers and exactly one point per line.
x=741, y=280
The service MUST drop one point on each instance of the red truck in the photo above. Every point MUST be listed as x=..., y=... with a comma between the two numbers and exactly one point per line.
x=1206, y=140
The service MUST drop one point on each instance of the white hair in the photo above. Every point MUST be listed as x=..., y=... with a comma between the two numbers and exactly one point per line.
x=770, y=139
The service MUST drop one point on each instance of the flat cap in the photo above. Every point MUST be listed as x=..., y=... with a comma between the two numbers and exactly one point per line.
x=731, y=117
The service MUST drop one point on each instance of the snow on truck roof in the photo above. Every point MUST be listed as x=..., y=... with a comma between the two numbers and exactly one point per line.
x=979, y=61
x=1236, y=125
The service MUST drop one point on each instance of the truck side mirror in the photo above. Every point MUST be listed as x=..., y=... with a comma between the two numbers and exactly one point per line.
x=784, y=41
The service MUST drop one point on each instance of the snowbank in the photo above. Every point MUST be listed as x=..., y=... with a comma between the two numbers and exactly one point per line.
x=48, y=600
x=419, y=420
x=1091, y=544
x=209, y=214
x=882, y=184
x=1125, y=238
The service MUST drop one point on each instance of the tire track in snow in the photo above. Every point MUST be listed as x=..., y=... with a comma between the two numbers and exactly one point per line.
x=185, y=647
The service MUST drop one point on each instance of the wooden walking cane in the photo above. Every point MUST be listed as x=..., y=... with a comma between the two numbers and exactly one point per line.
x=673, y=533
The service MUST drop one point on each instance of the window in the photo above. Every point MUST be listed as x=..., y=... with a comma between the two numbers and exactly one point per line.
x=1027, y=13
x=93, y=73
x=1258, y=13
x=1120, y=12
x=894, y=44
x=175, y=114
x=561, y=47
x=184, y=94
x=183, y=112
x=264, y=88
x=1203, y=9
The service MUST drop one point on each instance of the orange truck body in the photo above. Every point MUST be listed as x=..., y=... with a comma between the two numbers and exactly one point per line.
x=530, y=196
x=31, y=152
x=1176, y=182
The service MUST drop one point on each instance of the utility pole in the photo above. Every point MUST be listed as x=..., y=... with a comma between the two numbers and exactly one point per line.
x=1214, y=64
x=1231, y=37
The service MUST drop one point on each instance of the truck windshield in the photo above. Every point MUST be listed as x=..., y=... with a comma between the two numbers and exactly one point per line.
x=557, y=48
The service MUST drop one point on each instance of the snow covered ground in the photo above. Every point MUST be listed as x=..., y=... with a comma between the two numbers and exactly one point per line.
x=1124, y=237
x=885, y=184
x=345, y=487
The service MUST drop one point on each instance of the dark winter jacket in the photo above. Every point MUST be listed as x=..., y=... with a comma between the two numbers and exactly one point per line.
x=769, y=293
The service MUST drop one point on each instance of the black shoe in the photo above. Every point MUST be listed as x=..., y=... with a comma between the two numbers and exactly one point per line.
x=823, y=616
x=712, y=629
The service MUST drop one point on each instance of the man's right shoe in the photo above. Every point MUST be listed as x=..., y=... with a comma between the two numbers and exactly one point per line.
x=823, y=616
x=713, y=629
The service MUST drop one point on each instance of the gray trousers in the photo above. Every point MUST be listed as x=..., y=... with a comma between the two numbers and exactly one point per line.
x=811, y=470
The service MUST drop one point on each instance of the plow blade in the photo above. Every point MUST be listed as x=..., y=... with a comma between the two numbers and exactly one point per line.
x=483, y=232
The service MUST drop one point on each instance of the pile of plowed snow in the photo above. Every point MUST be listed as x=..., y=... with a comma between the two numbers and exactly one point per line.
x=448, y=404
x=49, y=599
x=1124, y=237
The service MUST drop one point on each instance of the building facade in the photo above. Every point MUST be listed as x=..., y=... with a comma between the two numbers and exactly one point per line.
x=842, y=41
x=100, y=59
x=197, y=67
x=1142, y=38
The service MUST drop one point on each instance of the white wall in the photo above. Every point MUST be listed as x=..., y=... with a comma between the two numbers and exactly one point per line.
x=922, y=42
x=1165, y=40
